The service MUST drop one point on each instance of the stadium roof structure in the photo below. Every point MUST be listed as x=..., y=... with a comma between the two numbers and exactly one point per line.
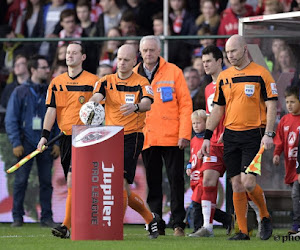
x=283, y=25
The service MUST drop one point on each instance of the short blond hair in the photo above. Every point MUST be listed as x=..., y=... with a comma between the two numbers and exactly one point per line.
x=199, y=113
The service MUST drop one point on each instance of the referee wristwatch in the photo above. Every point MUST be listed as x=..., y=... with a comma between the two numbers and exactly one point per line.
x=270, y=134
x=137, y=108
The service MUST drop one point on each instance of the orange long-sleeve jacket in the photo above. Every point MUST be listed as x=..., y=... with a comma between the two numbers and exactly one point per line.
x=168, y=121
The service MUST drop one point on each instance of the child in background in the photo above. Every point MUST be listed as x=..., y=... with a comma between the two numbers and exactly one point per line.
x=193, y=168
x=287, y=140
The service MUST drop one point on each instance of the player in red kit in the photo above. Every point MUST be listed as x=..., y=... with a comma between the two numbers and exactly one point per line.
x=286, y=140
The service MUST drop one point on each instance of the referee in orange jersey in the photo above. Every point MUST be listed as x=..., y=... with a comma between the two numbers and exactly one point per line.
x=66, y=95
x=128, y=97
x=246, y=93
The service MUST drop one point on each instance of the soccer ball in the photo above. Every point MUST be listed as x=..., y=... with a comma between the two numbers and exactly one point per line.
x=92, y=113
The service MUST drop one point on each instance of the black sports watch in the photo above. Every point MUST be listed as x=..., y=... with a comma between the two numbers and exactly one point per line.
x=270, y=134
x=137, y=108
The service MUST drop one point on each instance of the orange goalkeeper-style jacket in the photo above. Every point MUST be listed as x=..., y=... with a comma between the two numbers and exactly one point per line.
x=167, y=121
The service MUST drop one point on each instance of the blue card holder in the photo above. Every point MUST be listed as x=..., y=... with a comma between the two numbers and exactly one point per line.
x=166, y=94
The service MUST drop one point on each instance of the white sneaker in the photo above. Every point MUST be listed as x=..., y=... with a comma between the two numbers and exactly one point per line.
x=202, y=232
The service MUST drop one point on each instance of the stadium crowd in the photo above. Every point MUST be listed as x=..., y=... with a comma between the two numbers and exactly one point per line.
x=118, y=18
x=129, y=18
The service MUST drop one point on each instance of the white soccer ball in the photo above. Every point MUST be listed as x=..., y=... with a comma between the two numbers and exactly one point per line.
x=92, y=113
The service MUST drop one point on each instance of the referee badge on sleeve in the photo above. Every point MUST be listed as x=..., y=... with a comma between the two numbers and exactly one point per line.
x=149, y=90
x=274, y=88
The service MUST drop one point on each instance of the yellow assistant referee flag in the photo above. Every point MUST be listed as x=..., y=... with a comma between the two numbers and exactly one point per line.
x=255, y=165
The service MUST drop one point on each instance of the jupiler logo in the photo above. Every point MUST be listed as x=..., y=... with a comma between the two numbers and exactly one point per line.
x=108, y=198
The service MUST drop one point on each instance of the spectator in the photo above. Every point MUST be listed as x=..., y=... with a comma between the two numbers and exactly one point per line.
x=23, y=123
x=128, y=23
x=59, y=68
x=110, y=17
x=50, y=26
x=273, y=7
x=204, y=42
x=182, y=23
x=192, y=79
x=209, y=20
x=60, y=54
x=270, y=49
x=135, y=44
x=286, y=5
x=83, y=10
x=33, y=17
x=295, y=5
x=285, y=60
x=167, y=131
x=143, y=12
x=229, y=19
x=96, y=10
x=158, y=24
x=14, y=14
x=8, y=53
x=103, y=70
x=180, y=59
x=21, y=74
x=70, y=28
x=198, y=65
x=110, y=49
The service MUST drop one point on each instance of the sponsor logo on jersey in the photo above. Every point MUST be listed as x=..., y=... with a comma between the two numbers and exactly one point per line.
x=292, y=138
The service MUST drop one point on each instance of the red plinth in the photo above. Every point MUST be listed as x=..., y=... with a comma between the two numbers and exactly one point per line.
x=97, y=183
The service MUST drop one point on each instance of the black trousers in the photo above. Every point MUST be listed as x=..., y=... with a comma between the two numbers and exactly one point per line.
x=173, y=157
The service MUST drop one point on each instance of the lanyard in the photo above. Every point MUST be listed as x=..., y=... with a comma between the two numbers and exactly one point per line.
x=38, y=98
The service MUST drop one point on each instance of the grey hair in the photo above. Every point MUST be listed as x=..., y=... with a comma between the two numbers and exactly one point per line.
x=151, y=37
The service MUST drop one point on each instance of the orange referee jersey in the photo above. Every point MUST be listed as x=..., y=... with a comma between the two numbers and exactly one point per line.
x=244, y=93
x=117, y=92
x=67, y=95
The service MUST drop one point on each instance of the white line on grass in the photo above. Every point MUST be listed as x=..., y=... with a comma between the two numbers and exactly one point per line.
x=22, y=236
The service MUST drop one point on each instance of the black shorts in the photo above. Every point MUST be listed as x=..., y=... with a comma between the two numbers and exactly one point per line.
x=65, y=144
x=133, y=144
x=240, y=147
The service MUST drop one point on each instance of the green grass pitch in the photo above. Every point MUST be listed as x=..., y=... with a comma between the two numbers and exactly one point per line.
x=32, y=236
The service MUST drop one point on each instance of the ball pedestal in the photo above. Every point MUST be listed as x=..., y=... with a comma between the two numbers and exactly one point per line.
x=97, y=183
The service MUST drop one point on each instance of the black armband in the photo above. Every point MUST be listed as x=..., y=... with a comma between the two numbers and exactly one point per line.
x=208, y=134
x=46, y=134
